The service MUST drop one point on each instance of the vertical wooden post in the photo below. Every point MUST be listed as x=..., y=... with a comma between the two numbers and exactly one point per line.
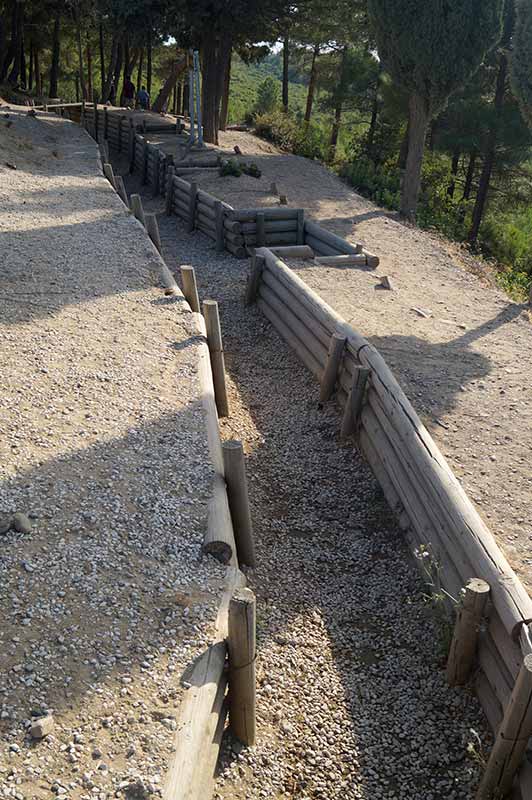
x=466, y=630
x=254, y=279
x=219, y=223
x=152, y=229
x=214, y=340
x=242, y=652
x=192, y=207
x=300, y=226
x=261, y=229
x=109, y=174
x=121, y=189
x=137, y=209
x=131, y=146
x=105, y=124
x=190, y=288
x=353, y=407
x=169, y=198
x=334, y=357
x=95, y=120
x=145, y=156
x=237, y=492
x=511, y=740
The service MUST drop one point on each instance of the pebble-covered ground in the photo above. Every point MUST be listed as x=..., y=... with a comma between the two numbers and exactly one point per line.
x=104, y=599
x=352, y=701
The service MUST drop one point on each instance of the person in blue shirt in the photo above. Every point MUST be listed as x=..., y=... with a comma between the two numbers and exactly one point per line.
x=143, y=98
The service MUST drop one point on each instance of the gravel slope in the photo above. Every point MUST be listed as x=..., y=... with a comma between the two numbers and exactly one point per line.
x=352, y=701
x=105, y=601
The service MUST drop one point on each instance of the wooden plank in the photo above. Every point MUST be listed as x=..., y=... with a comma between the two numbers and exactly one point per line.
x=330, y=239
x=242, y=652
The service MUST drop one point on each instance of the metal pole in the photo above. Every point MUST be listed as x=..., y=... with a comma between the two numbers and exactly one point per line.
x=191, y=105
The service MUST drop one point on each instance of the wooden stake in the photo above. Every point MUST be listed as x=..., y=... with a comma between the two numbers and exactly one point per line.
x=109, y=174
x=121, y=189
x=214, y=340
x=355, y=399
x=119, y=130
x=511, y=740
x=237, y=492
x=190, y=288
x=157, y=173
x=145, y=154
x=169, y=199
x=219, y=222
x=300, y=226
x=242, y=651
x=334, y=357
x=254, y=279
x=152, y=229
x=131, y=146
x=466, y=630
x=192, y=199
x=137, y=209
x=261, y=232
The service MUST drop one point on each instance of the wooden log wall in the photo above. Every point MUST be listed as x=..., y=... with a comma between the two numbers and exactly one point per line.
x=431, y=506
x=325, y=243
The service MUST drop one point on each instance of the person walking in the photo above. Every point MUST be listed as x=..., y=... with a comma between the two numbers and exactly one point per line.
x=143, y=99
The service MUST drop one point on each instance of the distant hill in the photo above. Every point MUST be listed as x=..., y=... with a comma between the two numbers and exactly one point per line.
x=246, y=79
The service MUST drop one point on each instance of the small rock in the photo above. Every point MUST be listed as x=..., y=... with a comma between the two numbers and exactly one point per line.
x=21, y=522
x=138, y=790
x=42, y=727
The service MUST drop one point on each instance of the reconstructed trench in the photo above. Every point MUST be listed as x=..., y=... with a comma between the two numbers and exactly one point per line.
x=352, y=699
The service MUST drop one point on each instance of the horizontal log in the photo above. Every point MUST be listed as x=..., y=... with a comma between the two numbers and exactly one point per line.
x=234, y=238
x=232, y=226
x=305, y=355
x=495, y=670
x=207, y=211
x=320, y=247
x=488, y=700
x=331, y=239
x=292, y=322
x=237, y=250
x=355, y=259
x=272, y=225
x=209, y=200
x=206, y=230
x=207, y=222
x=288, y=237
x=292, y=302
x=250, y=214
x=180, y=212
x=294, y=251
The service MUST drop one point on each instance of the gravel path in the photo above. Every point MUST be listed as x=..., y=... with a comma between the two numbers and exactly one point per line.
x=352, y=701
x=104, y=599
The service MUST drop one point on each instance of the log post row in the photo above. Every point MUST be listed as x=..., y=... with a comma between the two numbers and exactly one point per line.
x=121, y=189
x=169, y=198
x=254, y=278
x=145, y=156
x=131, y=145
x=219, y=224
x=334, y=358
x=355, y=400
x=242, y=651
x=109, y=174
x=192, y=201
x=137, y=209
x=214, y=339
x=105, y=123
x=152, y=230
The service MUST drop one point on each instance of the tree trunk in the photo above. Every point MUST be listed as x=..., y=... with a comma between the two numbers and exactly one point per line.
x=186, y=98
x=9, y=51
x=56, y=44
x=312, y=83
x=102, y=61
x=166, y=89
x=111, y=69
x=224, y=113
x=178, y=97
x=454, y=171
x=209, y=87
x=286, y=56
x=23, y=81
x=419, y=120
x=14, y=75
x=148, y=62
x=370, y=139
x=339, y=103
x=90, y=81
x=403, y=150
x=38, y=77
x=470, y=174
x=3, y=39
x=80, y=54
x=139, y=71
x=489, y=155
x=223, y=56
x=118, y=69
x=31, y=67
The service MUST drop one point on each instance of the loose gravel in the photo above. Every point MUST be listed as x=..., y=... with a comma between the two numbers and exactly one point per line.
x=352, y=700
x=104, y=597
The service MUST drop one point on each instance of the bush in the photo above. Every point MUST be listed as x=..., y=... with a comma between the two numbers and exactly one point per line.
x=232, y=167
x=377, y=183
x=290, y=134
x=267, y=96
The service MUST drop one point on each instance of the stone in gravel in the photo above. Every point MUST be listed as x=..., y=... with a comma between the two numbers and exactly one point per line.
x=6, y=521
x=138, y=790
x=42, y=727
x=21, y=522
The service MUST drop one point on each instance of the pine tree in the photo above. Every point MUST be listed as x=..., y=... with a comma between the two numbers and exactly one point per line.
x=431, y=49
x=521, y=64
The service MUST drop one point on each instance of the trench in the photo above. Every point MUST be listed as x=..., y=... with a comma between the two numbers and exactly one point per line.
x=352, y=699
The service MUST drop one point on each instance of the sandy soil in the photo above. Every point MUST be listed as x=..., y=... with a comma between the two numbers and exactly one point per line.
x=104, y=601
x=464, y=366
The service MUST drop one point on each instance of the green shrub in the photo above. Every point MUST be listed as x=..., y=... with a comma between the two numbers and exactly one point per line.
x=267, y=96
x=230, y=166
x=291, y=134
x=252, y=170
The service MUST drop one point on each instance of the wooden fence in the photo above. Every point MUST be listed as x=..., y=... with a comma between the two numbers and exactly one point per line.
x=432, y=508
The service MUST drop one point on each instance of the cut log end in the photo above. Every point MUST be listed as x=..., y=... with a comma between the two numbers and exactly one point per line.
x=219, y=550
